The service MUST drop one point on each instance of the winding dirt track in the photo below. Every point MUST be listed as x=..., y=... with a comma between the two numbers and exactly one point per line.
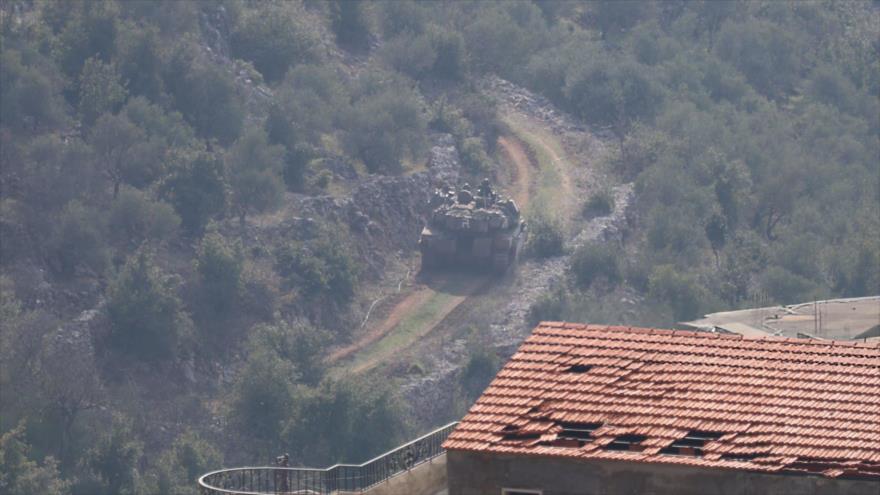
x=401, y=309
x=515, y=153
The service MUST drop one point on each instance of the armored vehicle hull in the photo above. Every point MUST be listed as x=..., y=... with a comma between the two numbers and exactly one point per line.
x=476, y=233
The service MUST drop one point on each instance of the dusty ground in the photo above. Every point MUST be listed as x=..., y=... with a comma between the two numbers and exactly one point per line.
x=840, y=319
x=550, y=162
x=514, y=153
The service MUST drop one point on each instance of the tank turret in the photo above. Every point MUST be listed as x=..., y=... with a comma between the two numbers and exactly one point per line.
x=472, y=229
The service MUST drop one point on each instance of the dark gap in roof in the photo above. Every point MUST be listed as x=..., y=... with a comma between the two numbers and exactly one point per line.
x=578, y=368
x=579, y=431
x=573, y=434
x=692, y=443
x=512, y=432
x=627, y=443
x=521, y=436
x=741, y=457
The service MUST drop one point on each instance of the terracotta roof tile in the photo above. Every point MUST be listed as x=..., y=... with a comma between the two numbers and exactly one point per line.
x=768, y=404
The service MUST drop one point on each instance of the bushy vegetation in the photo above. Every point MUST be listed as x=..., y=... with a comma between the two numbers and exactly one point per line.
x=144, y=145
x=546, y=236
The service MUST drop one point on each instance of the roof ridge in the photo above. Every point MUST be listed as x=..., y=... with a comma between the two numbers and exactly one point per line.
x=701, y=334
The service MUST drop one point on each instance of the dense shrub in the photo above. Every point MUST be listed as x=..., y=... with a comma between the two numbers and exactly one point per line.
x=146, y=316
x=385, y=125
x=254, y=170
x=600, y=204
x=188, y=458
x=205, y=94
x=78, y=241
x=321, y=268
x=197, y=189
x=219, y=266
x=135, y=218
x=548, y=307
x=274, y=39
x=350, y=23
x=546, y=236
x=677, y=289
x=591, y=262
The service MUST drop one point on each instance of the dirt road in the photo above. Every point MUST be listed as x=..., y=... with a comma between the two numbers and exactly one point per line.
x=534, y=165
x=515, y=152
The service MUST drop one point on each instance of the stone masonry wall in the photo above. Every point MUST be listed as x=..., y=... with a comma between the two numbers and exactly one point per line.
x=484, y=474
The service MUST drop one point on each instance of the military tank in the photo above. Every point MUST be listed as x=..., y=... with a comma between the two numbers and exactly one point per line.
x=474, y=230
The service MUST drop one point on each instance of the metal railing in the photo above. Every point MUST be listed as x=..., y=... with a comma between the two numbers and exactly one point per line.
x=339, y=478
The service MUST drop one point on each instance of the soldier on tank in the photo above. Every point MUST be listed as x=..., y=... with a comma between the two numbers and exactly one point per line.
x=464, y=194
x=486, y=192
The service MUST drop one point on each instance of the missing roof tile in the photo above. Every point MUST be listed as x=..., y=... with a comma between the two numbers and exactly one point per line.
x=512, y=432
x=741, y=457
x=692, y=443
x=630, y=443
x=578, y=431
x=578, y=368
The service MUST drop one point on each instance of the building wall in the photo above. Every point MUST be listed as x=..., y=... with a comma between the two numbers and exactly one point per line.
x=483, y=474
x=425, y=479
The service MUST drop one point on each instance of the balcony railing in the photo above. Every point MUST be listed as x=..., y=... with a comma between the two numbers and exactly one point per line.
x=354, y=478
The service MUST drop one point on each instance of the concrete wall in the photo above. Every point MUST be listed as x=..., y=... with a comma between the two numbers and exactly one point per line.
x=481, y=474
x=425, y=479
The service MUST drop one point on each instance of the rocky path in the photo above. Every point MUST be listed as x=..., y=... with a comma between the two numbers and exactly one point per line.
x=514, y=151
x=572, y=154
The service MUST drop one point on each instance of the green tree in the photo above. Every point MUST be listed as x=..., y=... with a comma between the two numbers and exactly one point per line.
x=219, y=266
x=503, y=35
x=135, y=218
x=322, y=268
x=482, y=364
x=167, y=126
x=78, y=241
x=87, y=29
x=28, y=96
x=613, y=93
x=451, y=56
x=680, y=291
x=196, y=189
x=255, y=174
x=140, y=61
x=101, y=90
x=114, y=459
x=785, y=287
x=115, y=141
x=350, y=23
x=19, y=475
x=344, y=419
x=69, y=385
x=146, y=316
x=549, y=307
x=189, y=457
x=403, y=16
x=263, y=394
x=297, y=342
x=546, y=238
x=385, y=126
x=769, y=55
x=275, y=39
x=593, y=261
x=205, y=94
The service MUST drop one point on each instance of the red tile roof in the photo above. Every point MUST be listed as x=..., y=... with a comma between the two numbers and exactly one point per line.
x=761, y=404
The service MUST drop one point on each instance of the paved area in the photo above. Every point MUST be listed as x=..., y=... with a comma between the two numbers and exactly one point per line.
x=839, y=319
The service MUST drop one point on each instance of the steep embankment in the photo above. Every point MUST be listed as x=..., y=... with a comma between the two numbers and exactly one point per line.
x=431, y=298
x=564, y=165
